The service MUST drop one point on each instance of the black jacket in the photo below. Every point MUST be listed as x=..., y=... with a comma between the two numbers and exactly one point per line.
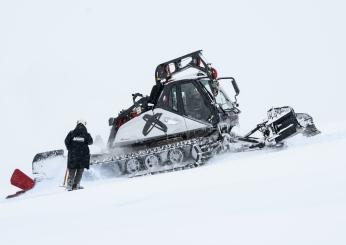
x=77, y=142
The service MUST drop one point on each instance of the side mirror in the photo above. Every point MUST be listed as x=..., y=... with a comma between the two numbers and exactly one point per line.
x=234, y=83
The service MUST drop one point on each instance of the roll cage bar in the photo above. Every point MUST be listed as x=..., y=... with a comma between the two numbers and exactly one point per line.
x=163, y=71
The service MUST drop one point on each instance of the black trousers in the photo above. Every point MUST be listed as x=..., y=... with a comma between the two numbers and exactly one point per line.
x=74, y=177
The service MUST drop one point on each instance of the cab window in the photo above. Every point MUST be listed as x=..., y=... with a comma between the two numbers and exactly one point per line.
x=193, y=103
x=172, y=101
x=169, y=99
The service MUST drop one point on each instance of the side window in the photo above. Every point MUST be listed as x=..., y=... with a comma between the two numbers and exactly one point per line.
x=169, y=99
x=193, y=102
x=173, y=102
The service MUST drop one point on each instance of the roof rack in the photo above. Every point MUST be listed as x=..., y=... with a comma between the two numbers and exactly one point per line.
x=166, y=70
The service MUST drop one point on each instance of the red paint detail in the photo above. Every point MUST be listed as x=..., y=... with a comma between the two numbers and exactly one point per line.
x=21, y=180
x=120, y=121
x=133, y=114
x=198, y=62
x=213, y=73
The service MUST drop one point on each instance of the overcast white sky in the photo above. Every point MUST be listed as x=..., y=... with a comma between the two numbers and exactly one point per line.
x=62, y=60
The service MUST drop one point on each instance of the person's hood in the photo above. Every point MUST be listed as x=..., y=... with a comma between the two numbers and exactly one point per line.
x=80, y=128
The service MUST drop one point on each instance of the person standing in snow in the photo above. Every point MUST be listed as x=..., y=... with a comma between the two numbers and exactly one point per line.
x=77, y=143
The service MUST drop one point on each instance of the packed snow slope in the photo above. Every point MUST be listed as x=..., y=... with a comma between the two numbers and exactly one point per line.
x=294, y=195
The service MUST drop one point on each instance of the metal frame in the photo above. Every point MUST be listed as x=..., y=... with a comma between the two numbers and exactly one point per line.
x=162, y=71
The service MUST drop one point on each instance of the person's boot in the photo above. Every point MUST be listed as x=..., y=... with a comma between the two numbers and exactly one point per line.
x=79, y=174
x=69, y=186
x=70, y=179
x=78, y=187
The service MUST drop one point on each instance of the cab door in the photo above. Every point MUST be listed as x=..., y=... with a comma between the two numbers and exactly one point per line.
x=196, y=108
x=169, y=111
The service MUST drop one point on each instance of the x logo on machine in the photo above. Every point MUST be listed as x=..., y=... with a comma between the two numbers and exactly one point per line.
x=153, y=122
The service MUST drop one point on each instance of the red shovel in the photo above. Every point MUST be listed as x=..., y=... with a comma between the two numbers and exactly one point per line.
x=22, y=181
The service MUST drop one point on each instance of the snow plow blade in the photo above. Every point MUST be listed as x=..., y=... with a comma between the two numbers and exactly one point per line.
x=39, y=163
x=48, y=154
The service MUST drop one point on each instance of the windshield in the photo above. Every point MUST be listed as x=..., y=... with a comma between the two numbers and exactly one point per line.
x=219, y=95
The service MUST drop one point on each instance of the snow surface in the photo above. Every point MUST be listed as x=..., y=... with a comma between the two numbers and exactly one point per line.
x=294, y=195
x=65, y=60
